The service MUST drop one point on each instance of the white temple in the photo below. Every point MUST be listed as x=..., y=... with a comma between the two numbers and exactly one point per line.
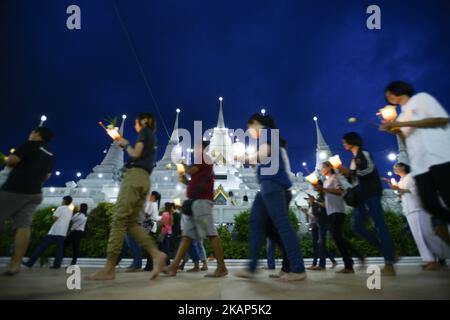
x=102, y=184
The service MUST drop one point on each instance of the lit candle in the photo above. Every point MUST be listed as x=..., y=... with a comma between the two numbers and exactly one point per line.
x=113, y=133
x=388, y=113
x=177, y=202
x=394, y=182
x=180, y=168
x=335, y=161
x=312, y=178
x=238, y=149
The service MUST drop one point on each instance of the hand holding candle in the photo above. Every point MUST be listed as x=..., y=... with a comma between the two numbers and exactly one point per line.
x=180, y=168
x=335, y=161
x=388, y=113
x=312, y=178
x=113, y=132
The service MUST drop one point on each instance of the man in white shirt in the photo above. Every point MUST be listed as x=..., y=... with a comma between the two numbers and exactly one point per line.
x=152, y=217
x=424, y=126
x=57, y=233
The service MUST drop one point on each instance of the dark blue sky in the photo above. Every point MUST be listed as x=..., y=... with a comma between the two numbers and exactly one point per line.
x=296, y=58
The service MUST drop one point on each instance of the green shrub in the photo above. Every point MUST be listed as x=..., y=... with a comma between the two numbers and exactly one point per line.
x=95, y=240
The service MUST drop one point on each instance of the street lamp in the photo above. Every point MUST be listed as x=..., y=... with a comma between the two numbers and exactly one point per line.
x=43, y=119
x=392, y=157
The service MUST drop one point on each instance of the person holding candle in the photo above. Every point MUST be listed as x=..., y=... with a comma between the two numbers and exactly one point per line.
x=151, y=221
x=424, y=127
x=431, y=247
x=335, y=207
x=200, y=223
x=366, y=182
x=270, y=201
x=134, y=188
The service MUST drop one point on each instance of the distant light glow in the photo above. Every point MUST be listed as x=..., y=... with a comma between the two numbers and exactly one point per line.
x=263, y=111
x=304, y=164
x=322, y=155
x=58, y=173
x=100, y=175
x=124, y=116
x=166, y=178
x=178, y=110
x=389, y=174
x=43, y=118
x=84, y=189
x=392, y=156
x=52, y=189
x=78, y=174
x=250, y=149
x=315, y=119
x=220, y=99
x=178, y=187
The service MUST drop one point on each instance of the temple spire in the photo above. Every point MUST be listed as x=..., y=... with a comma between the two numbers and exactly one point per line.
x=323, y=152
x=174, y=137
x=220, y=120
x=124, y=116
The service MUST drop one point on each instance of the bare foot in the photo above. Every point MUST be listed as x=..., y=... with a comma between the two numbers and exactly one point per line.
x=158, y=264
x=219, y=273
x=101, y=275
x=170, y=271
x=11, y=271
x=195, y=269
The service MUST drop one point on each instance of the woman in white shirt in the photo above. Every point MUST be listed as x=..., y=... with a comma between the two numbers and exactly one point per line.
x=431, y=247
x=152, y=217
x=76, y=232
x=57, y=234
x=335, y=206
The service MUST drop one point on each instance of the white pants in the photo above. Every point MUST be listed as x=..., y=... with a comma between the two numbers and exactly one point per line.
x=430, y=246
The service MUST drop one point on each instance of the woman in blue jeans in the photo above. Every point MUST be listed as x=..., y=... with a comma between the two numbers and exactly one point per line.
x=271, y=199
x=365, y=178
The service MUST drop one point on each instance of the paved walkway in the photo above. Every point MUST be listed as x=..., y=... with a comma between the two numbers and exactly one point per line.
x=410, y=283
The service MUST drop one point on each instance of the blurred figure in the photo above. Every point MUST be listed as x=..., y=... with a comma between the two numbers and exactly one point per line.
x=57, y=234
x=30, y=166
x=431, y=247
x=364, y=177
x=151, y=220
x=79, y=220
x=199, y=224
x=270, y=202
x=424, y=127
x=134, y=189
x=166, y=230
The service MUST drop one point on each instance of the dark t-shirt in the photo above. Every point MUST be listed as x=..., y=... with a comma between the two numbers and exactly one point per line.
x=147, y=160
x=201, y=185
x=367, y=174
x=30, y=173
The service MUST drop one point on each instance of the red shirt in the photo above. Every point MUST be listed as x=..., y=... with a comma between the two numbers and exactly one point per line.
x=201, y=185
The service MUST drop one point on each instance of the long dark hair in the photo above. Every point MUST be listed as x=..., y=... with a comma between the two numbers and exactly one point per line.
x=267, y=122
x=147, y=116
x=157, y=196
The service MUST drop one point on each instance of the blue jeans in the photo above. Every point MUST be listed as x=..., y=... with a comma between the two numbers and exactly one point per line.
x=197, y=251
x=372, y=208
x=270, y=255
x=136, y=252
x=271, y=201
x=48, y=241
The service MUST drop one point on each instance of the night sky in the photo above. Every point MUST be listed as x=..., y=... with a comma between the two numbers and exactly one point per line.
x=296, y=58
